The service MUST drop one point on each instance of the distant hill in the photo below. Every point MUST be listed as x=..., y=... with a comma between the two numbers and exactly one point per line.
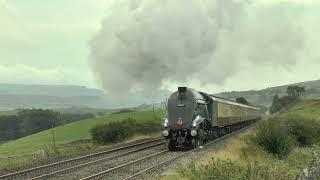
x=264, y=97
x=14, y=96
x=48, y=90
x=50, y=96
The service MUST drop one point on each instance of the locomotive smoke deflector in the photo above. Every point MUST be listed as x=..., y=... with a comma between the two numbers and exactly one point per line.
x=182, y=92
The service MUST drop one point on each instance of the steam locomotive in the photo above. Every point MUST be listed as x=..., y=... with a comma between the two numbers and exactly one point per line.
x=195, y=117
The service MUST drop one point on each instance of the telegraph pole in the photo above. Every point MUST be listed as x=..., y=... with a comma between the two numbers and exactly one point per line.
x=154, y=114
x=53, y=138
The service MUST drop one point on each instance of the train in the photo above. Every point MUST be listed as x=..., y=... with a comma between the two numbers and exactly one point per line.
x=194, y=118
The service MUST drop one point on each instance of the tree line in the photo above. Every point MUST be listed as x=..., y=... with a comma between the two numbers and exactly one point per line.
x=279, y=103
x=30, y=121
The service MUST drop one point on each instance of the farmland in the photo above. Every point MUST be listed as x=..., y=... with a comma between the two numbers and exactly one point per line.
x=67, y=133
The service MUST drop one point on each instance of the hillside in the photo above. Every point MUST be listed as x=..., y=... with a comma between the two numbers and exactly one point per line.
x=52, y=90
x=306, y=108
x=67, y=133
x=14, y=96
x=264, y=97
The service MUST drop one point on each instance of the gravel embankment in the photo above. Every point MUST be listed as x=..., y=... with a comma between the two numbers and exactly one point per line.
x=51, y=169
x=313, y=172
x=96, y=168
x=199, y=155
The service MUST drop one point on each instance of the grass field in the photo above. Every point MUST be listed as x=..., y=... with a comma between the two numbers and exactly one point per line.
x=67, y=133
x=307, y=108
x=85, y=110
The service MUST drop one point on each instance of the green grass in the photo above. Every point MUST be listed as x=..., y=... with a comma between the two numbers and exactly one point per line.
x=67, y=133
x=85, y=110
x=305, y=108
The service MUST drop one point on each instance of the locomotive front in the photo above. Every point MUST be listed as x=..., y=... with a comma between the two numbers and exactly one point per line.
x=180, y=127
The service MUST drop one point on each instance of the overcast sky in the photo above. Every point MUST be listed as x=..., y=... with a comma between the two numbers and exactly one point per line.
x=47, y=42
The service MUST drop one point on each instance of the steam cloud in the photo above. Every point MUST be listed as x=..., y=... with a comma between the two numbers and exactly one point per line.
x=144, y=45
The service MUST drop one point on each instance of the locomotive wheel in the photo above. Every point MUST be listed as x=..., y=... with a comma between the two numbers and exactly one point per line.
x=202, y=137
x=200, y=141
x=195, y=142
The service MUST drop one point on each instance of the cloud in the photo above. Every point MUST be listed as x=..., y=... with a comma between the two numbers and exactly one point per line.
x=145, y=45
x=24, y=24
x=291, y=1
x=9, y=26
x=41, y=37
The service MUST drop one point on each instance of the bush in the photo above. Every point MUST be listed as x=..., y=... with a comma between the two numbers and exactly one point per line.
x=305, y=130
x=124, y=111
x=118, y=131
x=273, y=137
x=113, y=132
x=147, y=127
x=227, y=169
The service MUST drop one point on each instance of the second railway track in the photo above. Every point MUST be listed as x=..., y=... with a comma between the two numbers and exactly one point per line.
x=61, y=167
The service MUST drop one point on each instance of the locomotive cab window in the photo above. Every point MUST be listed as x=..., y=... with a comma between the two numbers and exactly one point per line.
x=201, y=110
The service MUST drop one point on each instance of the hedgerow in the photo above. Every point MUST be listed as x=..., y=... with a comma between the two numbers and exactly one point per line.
x=118, y=131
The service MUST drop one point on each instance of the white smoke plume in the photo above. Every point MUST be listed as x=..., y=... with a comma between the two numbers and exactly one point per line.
x=143, y=45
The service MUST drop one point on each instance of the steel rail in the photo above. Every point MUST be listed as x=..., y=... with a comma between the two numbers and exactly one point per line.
x=153, y=167
x=92, y=162
x=121, y=166
x=183, y=154
x=23, y=172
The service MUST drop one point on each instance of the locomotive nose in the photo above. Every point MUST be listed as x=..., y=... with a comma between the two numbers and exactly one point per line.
x=179, y=122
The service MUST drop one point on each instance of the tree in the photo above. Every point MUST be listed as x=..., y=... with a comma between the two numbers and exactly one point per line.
x=276, y=104
x=29, y=121
x=9, y=128
x=242, y=100
x=36, y=120
x=295, y=91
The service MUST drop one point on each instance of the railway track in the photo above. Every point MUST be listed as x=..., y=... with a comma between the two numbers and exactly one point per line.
x=53, y=169
x=127, y=162
x=134, y=169
x=104, y=173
